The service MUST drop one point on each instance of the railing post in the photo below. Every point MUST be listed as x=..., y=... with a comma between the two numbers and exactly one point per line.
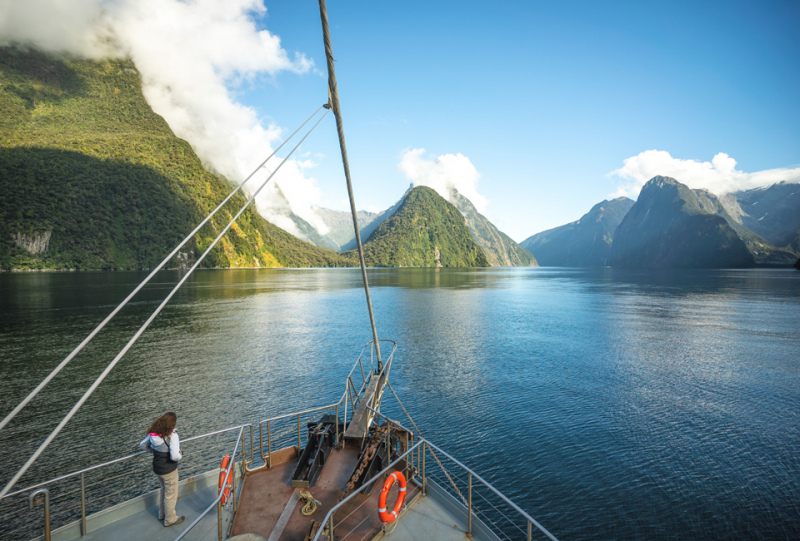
x=330, y=529
x=261, y=441
x=269, y=446
x=233, y=478
x=46, y=494
x=407, y=458
x=83, y=505
x=530, y=530
x=219, y=518
x=252, y=449
x=424, y=478
x=469, y=501
x=299, y=442
x=336, y=413
x=388, y=441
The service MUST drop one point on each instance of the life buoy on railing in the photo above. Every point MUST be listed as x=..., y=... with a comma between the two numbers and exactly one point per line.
x=223, y=472
x=390, y=516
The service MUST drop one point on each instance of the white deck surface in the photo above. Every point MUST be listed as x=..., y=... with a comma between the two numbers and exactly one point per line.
x=145, y=525
x=426, y=519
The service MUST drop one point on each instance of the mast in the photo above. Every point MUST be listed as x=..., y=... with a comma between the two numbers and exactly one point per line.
x=333, y=101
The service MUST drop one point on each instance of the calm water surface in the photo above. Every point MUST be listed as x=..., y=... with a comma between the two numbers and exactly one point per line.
x=608, y=404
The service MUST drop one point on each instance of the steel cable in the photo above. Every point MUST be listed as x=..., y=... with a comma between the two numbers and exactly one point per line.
x=436, y=458
x=146, y=324
x=133, y=293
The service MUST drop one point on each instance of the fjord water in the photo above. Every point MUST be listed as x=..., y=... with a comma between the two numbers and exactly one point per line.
x=607, y=404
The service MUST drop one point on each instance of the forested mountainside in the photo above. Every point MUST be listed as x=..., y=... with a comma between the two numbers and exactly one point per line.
x=92, y=178
x=425, y=231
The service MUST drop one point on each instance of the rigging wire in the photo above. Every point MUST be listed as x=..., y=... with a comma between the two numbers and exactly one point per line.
x=436, y=458
x=116, y=310
x=146, y=324
x=333, y=100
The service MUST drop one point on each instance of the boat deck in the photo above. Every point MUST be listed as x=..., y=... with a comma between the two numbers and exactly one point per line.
x=269, y=505
x=138, y=519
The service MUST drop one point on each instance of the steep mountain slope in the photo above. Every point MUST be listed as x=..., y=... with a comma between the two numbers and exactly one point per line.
x=91, y=177
x=340, y=224
x=425, y=231
x=500, y=249
x=772, y=212
x=672, y=226
x=583, y=243
x=373, y=224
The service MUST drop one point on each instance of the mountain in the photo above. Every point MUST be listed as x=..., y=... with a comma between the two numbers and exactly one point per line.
x=373, y=224
x=584, y=243
x=425, y=231
x=772, y=212
x=499, y=248
x=340, y=224
x=672, y=226
x=92, y=178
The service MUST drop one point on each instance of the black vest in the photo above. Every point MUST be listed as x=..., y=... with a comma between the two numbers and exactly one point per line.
x=162, y=463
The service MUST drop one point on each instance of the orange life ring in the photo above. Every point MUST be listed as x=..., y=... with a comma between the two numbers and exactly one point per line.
x=223, y=471
x=390, y=516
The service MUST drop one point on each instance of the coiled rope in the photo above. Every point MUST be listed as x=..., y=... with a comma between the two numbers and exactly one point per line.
x=311, y=503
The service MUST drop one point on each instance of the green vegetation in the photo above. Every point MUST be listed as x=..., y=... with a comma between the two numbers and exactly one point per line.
x=499, y=248
x=92, y=178
x=426, y=231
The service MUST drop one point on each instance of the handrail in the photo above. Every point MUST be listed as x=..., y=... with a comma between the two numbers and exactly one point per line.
x=221, y=492
x=104, y=464
x=500, y=494
x=352, y=495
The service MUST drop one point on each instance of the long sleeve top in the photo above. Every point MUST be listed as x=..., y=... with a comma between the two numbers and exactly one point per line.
x=154, y=442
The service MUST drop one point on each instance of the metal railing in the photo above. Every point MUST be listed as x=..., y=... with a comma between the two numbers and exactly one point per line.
x=473, y=514
x=329, y=517
x=73, y=497
x=484, y=509
x=230, y=478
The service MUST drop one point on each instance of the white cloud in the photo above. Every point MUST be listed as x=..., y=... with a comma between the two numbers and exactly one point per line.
x=718, y=176
x=444, y=173
x=191, y=54
x=53, y=25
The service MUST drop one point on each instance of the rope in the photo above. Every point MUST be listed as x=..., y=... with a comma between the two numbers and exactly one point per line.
x=333, y=97
x=311, y=503
x=146, y=324
x=114, y=312
x=436, y=458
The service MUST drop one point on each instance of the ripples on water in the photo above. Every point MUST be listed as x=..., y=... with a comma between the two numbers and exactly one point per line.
x=607, y=404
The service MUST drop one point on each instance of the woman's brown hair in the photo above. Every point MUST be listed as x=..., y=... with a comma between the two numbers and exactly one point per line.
x=164, y=425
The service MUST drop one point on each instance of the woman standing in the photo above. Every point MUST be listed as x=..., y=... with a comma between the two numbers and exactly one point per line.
x=165, y=445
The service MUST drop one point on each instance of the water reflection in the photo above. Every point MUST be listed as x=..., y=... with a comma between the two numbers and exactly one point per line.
x=637, y=403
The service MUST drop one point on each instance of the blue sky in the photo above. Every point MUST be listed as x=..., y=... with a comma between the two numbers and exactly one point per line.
x=534, y=110
x=544, y=99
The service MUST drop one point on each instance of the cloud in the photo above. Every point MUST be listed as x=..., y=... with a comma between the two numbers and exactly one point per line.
x=54, y=26
x=442, y=174
x=191, y=54
x=718, y=176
